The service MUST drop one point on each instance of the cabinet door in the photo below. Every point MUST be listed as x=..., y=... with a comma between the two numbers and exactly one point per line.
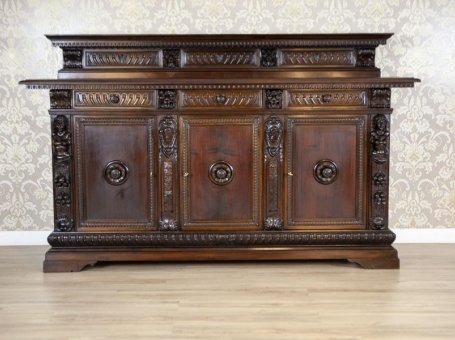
x=114, y=169
x=326, y=169
x=221, y=167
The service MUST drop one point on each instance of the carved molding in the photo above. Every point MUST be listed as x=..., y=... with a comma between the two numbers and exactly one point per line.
x=380, y=98
x=365, y=57
x=171, y=58
x=235, y=99
x=273, y=99
x=113, y=99
x=298, y=98
x=379, y=167
x=167, y=99
x=221, y=58
x=269, y=57
x=61, y=156
x=317, y=57
x=221, y=239
x=60, y=99
x=72, y=58
x=116, y=58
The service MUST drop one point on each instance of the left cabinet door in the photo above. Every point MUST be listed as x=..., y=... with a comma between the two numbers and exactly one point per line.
x=114, y=171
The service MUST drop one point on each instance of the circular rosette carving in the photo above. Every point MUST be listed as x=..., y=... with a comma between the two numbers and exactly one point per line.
x=325, y=171
x=116, y=172
x=221, y=173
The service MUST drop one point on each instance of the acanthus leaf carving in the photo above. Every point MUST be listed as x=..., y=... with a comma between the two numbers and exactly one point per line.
x=269, y=57
x=365, y=57
x=380, y=98
x=60, y=99
x=171, y=58
x=167, y=99
x=273, y=98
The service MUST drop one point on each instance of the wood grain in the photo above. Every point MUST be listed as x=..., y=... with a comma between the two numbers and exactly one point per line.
x=248, y=300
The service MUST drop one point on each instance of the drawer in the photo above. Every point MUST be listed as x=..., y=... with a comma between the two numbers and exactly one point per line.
x=322, y=99
x=226, y=99
x=114, y=99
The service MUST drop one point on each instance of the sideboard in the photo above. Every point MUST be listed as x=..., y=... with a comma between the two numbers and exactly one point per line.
x=220, y=147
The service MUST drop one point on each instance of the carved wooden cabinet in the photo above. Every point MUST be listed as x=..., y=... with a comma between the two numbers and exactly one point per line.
x=220, y=147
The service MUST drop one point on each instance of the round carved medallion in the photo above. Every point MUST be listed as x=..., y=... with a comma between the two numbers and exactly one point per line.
x=221, y=173
x=116, y=172
x=325, y=171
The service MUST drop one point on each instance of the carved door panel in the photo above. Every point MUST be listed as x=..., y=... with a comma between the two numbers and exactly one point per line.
x=220, y=164
x=114, y=169
x=325, y=172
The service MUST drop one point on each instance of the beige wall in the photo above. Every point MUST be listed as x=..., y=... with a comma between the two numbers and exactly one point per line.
x=423, y=131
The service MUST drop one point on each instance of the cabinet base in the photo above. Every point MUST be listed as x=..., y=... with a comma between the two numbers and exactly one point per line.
x=75, y=259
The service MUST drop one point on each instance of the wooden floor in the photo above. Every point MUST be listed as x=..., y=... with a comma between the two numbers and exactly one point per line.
x=273, y=300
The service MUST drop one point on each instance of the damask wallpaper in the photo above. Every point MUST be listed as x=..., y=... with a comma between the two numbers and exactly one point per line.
x=423, y=126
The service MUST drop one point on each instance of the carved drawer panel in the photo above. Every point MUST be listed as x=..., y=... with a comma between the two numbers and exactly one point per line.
x=325, y=169
x=320, y=99
x=317, y=57
x=114, y=99
x=226, y=99
x=207, y=58
x=114, y=162
x=119, y=58
x=221, y=168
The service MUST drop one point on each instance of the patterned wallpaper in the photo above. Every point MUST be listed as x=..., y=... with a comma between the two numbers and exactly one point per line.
x=423, y=126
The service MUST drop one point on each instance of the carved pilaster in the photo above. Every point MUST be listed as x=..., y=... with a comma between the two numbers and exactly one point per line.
x=273, y=99
x=72, y=58
x=365, y=57
x=273, y=173
x=380, y=98
x=61, y=157
x=269, y=57
x=167, y=134
x=379, y=170
x=167, y=99
x=60, y=99
x=171, y=58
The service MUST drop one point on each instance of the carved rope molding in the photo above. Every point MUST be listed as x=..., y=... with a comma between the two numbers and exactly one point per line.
x=227, y=239
x=273, y=173
x=238, y=98
x=61, y=156
x=315, y=57
x=109, y=58
x=222, y=58
x=167, y=136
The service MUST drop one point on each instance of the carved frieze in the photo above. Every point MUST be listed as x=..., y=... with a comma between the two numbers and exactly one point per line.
x=301, y=99
x=273, y=99
x=61, y=152
x=195, y=58
x=121, y=58
x=114, y=99
x=379, y=167
x=211, y=98
x=60, y=99
x=167, y=99
x=308, y=57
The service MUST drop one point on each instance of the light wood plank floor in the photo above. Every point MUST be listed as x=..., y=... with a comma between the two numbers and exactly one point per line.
x=262, y=300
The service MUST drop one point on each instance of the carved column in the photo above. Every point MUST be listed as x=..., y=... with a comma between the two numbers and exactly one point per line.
x=379, y=160
x=61, y=159
x=273, y=173
x=168, y=176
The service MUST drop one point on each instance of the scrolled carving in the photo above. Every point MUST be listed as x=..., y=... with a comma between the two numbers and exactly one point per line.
x=112, y=58
x=325, y=171
x=380, y=98
x=60, y=99
x=273, y=99
x=116, y=172
x=168, y=224
x=72, y=58
x=221, y=173
x=273, y=223
x=273, y=136
x=168, y=136
x=167, y=99
x=365, y=57
x=171, y=58
x=269, y=57
x=299, y=57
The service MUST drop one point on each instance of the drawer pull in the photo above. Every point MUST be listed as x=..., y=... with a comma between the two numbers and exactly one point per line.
x=116, y=172
x=325, y=171
x=221, y=99
x=221, y=173
x=114, y=98
x=326, y=98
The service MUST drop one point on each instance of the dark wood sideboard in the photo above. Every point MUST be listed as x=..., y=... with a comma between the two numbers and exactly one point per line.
x=220, y=147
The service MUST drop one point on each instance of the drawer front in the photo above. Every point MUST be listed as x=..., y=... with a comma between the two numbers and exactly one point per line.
x=114, y=173
x=302, y=99
x=113, y=99
x=326, y=167
x=221, y=167
x=225, y=99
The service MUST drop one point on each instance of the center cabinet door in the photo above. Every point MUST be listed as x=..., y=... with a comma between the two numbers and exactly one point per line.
x=220, y=164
